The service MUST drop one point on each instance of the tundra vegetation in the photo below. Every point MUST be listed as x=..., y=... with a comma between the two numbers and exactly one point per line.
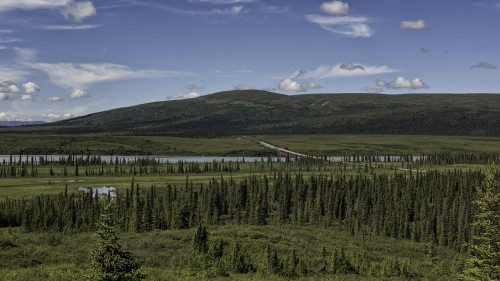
x=362, y=217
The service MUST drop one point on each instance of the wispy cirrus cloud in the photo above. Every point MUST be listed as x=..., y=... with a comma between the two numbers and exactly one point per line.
x=68, y=27
x=340, y=20
x=6, y=5
x=484, y=65
x=222, y=1
x=229, y=11
x=80, y=75
x=413, y=24
x=342, y=70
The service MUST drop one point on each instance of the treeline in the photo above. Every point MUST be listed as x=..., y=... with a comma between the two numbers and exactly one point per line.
x=72, y=165
x=427, y=206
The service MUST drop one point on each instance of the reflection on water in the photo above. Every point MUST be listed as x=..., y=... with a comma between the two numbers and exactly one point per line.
x=98, y=190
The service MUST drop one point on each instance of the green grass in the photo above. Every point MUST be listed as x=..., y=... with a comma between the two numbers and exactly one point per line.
x=166, y=254
x=102, y=144
x=323, y=144
x=383, y=144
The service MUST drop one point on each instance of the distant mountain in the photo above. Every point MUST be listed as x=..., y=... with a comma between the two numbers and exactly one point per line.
x=261, y=112
x=20, y=123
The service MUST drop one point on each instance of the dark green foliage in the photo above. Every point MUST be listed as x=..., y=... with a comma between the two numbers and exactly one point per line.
x=484, y=265
x=260, y=112
x=200, y=242
x=240, y=261
x=109, y=261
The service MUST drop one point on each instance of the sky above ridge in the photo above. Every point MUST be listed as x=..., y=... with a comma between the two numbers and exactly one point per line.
x=67, y=58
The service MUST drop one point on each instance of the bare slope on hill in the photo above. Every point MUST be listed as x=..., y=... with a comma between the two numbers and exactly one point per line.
x=261, y=112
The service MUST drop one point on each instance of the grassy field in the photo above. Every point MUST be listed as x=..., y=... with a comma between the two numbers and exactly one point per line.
x=383, y=144
x=100, y=144
x=165, y=254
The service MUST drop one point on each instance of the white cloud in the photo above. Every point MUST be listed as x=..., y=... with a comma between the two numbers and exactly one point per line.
x=232, y=11
x=13, y=73
x=56, y=117
x=371, y=90
x=74, y=75
x=337, y=8
x=342, y=70
x=9, y=87
x=3, y=31
x=10, y=40
x=413, y=24
x=190, y=95
x=403, y=83
x=222, y=1
x=31, y=88
x=69, y=27
x=294, y=86
x=242, y=87
x=53, y=99
x=340, y=20
x=78, y=94
x=78, y=11
x=27, y=97
x=6, y=5
x=25, y=54
x=484, y=65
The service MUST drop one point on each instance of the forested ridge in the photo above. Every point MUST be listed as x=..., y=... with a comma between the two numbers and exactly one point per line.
x=260, y=112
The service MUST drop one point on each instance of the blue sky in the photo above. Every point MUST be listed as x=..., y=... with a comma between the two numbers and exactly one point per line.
x=67, y=58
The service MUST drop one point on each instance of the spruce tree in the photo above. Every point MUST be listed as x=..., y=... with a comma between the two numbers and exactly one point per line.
x=109, y=261
x=484, y=265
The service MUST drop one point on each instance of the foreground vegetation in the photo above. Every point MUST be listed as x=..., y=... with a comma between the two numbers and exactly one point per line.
x=365, y=218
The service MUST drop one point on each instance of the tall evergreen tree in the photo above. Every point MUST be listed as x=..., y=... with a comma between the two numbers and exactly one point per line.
x=109, y=261
x=484, y=265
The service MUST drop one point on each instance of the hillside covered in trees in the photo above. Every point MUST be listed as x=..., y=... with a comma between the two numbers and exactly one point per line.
x=261, y=112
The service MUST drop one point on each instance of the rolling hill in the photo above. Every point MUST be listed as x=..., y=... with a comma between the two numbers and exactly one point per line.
x=261, y=112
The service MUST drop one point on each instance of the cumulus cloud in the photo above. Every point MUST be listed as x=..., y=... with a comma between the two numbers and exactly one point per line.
x=56, y=117
x=27, y=98
x=6, y=5
x=484, y=65
x=403, y=83
x=295, y=86
x=242, y=87
x=190, y=95
x=31, y=88
x=74, y=75
x=9, y=87
x=351, y=67
x=78, y=94
x=337, y=8
x=78, y=11
x=343, y=70
x=53, y=99
x=413, y=24
x=341, y=21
